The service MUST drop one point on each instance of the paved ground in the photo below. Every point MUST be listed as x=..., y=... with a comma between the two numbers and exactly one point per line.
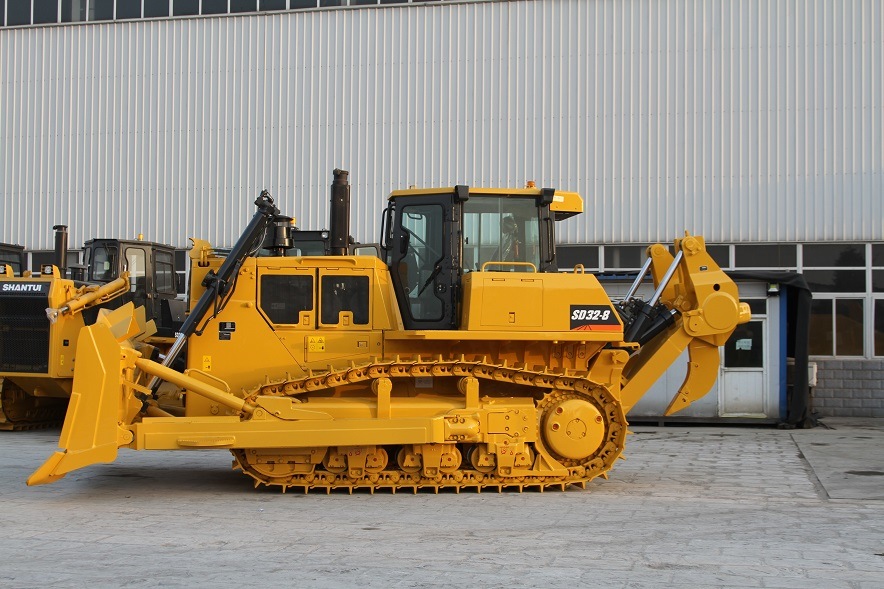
x=691, y=507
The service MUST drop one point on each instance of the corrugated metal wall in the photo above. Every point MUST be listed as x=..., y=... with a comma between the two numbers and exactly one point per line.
x=759, y=120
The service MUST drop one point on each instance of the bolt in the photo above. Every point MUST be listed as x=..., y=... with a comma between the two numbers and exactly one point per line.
x=555, y=427
x=598, y=418
x=559, y=410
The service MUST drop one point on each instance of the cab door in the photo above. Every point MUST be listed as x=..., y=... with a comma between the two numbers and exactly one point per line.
x=425, y=260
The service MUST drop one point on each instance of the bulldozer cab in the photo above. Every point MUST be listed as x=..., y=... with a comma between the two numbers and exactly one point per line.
x=434, y=237
x=152, y=278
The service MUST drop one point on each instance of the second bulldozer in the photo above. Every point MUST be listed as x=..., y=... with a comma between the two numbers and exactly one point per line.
x=462, y=359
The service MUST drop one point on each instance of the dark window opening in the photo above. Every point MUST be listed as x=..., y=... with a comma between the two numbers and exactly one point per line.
x=18, y=13
x=101, y=10
x=721, y=254
x=214, y=6
x=878, y=254
x=303, y=4
x=745, y=347
x=156, y=8
x=272, y=5
x=821, y=334
x=568, y=256
x=849, y=323
x=344, y=293
x=879, y=327
x=243, y=5
x=836, y=280
x=165, y=273
x=128, y=9
x=186, y=7
x=765, y=256
x=284, y=297
x=834, y=255
x=625, y=256
x=45, y=11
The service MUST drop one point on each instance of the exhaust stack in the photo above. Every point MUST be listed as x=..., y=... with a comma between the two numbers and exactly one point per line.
x=340, y=213
x=61, y=247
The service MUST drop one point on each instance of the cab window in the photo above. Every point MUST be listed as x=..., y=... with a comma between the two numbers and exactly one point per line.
x=284, y=297
x=103, y=265
x=344, y=293
x=505, y=232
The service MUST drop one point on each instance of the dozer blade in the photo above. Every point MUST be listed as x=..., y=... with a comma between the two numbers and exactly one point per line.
x=703, y=361
x=100, y=402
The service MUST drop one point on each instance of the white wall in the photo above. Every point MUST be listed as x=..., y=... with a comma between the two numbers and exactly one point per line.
x=760, y=120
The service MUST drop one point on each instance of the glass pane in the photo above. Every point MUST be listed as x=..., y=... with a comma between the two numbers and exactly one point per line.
x=757, y=306
x=849, y=327
x=877, y=280
x=834, y=255
x=879, y=327
x=721, y=254
x=155, y=8
x=165, y=273
x=18, y=13
x=568, y=256
x=101, y=9
x=135, y=265
x=423, y=225
x=2, y=12
x=185, y=7
x=821, y=335
x=745, y=348
x=214, y=6
x=344, y=293
x=272, y=5
x=128, y=9
x=362, y=2
x=303, y=4
x=103, y=265
x=45, y=11
x=765, y=256
x=619, y=257
x=284, y=297
x=878, y=254
x=73, y=10
x=500, y=230
x=331, y=2
x=243, y=5
x=836, y=280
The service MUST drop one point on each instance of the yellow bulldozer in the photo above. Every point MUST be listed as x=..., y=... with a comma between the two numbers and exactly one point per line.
x=459, y=358
x=41, y=315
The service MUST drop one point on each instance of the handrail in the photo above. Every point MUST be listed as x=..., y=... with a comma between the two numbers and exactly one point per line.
x=497, y=263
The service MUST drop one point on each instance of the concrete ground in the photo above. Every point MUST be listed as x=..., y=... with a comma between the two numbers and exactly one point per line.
x=690, y=507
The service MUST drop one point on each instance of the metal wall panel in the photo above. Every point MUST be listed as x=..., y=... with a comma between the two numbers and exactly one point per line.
x=745, y=121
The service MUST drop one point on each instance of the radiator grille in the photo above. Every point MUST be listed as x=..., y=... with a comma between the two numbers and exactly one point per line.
x=24, y=334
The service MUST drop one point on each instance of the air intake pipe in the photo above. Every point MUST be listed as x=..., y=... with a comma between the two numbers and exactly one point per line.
x=340, y=213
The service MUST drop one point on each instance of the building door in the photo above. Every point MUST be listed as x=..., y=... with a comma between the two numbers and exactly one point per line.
x=744, y=372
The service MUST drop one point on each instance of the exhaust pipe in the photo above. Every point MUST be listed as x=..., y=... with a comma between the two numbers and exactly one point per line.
x=61, y=247
x=340, y=213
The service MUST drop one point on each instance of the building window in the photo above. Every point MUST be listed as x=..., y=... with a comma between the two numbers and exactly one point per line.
x=101, y=10
x=569, y=256
x=18, y=13
x=302, y=4
x=879, y=327
x=45, y=11
x=625, y=257
x=186, y=7
x=214, y=6
x=156, y=8
x=128, y=9
x=272, y=5
x=243, y=5
x=73, y=10
x=765, y=256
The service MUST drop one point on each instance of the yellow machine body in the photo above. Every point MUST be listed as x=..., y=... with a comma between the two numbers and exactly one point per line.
x=314, y=389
